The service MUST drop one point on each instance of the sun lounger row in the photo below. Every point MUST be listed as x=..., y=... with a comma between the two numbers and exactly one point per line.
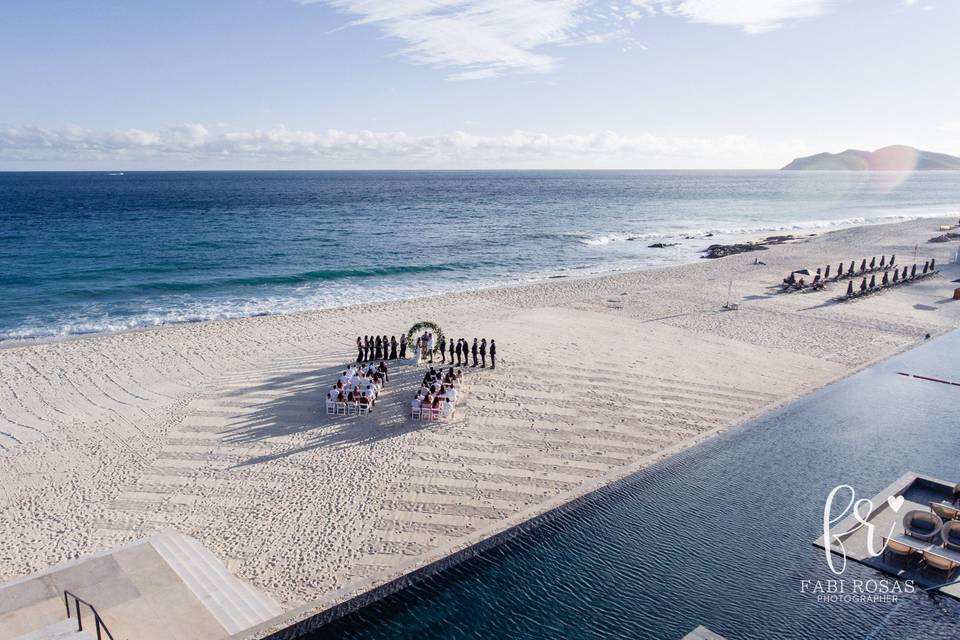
x=821, y=277
x=888, y=281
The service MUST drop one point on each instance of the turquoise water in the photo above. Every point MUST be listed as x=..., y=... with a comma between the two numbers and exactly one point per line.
x=91, y=252
x=720, y=535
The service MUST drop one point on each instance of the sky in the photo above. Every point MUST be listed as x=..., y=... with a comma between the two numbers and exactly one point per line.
x=465, y=84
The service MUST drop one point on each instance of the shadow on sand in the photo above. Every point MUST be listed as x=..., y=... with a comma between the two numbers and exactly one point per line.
x=301, y=409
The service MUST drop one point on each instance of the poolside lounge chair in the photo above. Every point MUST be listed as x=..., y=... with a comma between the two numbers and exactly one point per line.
x=940, y=563
x=950, y=534
x=922, y=525
x=900, y=551
x=945, y=511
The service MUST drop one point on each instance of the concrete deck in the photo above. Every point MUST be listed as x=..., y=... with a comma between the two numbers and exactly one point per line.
x=918, y=491
x=165, y=587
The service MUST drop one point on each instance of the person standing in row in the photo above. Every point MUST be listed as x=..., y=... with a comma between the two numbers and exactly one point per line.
x=359, y=349
x=366, y=348
x=474, y=351
x=493, y=353
x=393, y=347
x=377, y=348
x=443, y=350
x=451, y=350
x=403, y=346
x=431, y=345
x=483, y=354
x=458, y=354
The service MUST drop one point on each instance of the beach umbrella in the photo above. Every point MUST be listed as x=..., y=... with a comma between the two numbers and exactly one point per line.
x=863, y=265
x=904, y=276
x=826, y=274
x=883, y=261
x=850, y=288
x=933, y=261
x=913, y=271
x=886, y=279
x=839, y=269
x=926, y=265
x=863, y=285
x=893, y=259
x=873, y=281
x=896, y=275
x=873, y=262
x=850, y=270
x=802, y=271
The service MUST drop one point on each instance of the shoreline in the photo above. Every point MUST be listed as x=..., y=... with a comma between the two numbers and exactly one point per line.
x=215, y=428
x=800, y=234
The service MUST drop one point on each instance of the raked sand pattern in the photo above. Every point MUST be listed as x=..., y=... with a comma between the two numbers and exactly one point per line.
x=218, y=430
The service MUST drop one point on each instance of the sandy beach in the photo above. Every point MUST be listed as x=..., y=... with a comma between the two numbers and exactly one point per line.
x=218, y=429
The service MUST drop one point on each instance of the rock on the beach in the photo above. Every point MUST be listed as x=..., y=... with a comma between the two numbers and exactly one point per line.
x=943, y=238
x=661, y=245
x=723, y=250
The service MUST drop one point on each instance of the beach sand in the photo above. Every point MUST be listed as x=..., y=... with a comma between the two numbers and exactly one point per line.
x=218, y=429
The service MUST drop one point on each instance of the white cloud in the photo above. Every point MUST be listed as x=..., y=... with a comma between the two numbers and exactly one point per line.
x=194, y=146
x=485, y=38
x=754, y=16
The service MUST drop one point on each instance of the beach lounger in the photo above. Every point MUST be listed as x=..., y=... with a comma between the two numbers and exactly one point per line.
x=945, y=511
x=901, y=552
x=940, y=563
x=922, y=525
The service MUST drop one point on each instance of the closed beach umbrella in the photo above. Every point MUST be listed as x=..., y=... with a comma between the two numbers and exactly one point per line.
x=904, y=276
x=896, y=275
x=826, y=273
x=933, y=261
x=873, y=262
x=850, y=288
x=893, y=260
x=926, y=265
x=873, y=281
x=883, y=261
x=839, y=269
x=863, y=265
x=850, y=270
x=886, y=279
x=913, y=271
x=863, y=285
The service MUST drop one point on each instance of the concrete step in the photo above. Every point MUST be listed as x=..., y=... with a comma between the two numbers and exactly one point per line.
x=63, y=630
x=235, y=604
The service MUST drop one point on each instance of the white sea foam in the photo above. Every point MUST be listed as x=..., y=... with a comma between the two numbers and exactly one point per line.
x=792, y=226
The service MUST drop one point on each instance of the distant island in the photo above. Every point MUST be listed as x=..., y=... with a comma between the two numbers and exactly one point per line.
x=892, y=158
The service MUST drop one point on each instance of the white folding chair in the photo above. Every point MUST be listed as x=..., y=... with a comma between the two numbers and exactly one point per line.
x=352, y=408
x=341, y=409
x=331, y=407
x=415, y=412
x=363, y=408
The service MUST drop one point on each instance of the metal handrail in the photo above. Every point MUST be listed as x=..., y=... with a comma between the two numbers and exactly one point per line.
x=98, y=621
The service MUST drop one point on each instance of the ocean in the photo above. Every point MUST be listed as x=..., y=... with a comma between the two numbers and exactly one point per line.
x=97, y=252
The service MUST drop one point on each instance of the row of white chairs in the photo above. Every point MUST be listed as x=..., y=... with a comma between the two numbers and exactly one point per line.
x=426, y=414
x=347, y=408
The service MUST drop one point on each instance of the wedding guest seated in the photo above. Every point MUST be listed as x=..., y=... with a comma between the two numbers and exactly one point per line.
x=452, y=394
x=383, y=370
x=333, y=393
x=341, y=397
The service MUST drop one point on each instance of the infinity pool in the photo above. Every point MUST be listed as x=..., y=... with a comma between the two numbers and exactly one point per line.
x=719, y=535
